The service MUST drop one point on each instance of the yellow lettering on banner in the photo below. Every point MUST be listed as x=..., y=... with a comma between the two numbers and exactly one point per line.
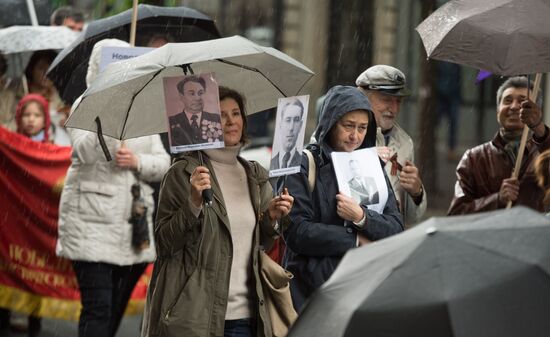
x=32, y=258
x=45, y=278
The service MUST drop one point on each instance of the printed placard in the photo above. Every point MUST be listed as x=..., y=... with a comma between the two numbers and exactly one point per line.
x=193, y=112
x=288, y=141
x=360, y=176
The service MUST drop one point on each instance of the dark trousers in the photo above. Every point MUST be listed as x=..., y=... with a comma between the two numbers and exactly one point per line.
x=105, y=290
x=238, y=328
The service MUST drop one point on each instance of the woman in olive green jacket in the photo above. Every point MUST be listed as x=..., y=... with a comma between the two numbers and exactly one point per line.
x=206, y=281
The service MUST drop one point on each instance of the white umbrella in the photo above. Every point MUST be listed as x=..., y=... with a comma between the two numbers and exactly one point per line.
x=19, y=39
x=128, y=97
x=18, y=43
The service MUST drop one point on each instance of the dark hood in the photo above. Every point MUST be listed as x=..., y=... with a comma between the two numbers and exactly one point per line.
x=340, y=100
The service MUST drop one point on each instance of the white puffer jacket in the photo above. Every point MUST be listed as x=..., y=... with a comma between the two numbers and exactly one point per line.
x=96, y=200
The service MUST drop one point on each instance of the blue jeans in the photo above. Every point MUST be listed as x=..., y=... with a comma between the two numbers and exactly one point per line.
x=104, y=292
x=238, y=328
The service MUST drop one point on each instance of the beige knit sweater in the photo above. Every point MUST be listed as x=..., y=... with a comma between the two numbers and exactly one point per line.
x=232, y=179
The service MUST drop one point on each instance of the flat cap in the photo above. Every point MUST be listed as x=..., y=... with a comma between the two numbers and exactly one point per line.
x=387, y=79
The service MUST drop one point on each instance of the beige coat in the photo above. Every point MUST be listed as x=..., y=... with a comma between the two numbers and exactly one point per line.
x=401, y=143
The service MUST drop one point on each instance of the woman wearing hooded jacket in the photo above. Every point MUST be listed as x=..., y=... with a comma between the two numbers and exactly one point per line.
x=326, y=223
x=206, y=278
x=94, y=230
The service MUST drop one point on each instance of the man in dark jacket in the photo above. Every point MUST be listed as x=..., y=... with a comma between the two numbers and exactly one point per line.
x=484, y=173
x=326, y=223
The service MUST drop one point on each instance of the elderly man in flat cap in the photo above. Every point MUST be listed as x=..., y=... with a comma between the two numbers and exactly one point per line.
x=385, y=89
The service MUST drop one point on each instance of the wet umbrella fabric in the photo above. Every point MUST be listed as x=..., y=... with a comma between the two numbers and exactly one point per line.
x=471, y=276
x=128, y=96
x=505, y=37
x=182, y=24
x=18, y=43
x=20, y=39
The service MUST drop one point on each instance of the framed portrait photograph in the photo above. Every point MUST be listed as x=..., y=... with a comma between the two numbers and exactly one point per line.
x=193, y=112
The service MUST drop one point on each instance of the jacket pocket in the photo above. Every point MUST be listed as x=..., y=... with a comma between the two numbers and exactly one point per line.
x=97, y=202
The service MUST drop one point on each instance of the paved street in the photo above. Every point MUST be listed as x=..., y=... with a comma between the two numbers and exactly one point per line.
x=59, y=328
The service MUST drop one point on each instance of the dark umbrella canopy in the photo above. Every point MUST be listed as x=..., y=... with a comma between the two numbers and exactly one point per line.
x=181, y=24
x=470, y=276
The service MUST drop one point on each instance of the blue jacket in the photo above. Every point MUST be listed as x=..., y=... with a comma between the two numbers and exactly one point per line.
x=318, y=238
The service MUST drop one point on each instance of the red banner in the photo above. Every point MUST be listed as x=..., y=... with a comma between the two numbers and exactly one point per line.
x=32, y=278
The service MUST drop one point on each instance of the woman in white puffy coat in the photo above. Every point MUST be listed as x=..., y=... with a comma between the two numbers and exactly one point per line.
x=94, y=232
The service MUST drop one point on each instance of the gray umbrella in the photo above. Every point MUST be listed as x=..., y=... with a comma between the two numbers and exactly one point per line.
x=128, y=96
x=483, y=275
x=506, y=37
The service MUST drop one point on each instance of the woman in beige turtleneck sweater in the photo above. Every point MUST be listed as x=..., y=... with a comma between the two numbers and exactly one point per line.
x=206, y=280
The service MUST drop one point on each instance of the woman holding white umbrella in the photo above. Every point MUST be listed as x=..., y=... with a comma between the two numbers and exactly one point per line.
x=206, y=277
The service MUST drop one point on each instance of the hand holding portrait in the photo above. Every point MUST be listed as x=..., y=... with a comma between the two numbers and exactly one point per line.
x=280, y=206
x=200, y=181
x=348, y=209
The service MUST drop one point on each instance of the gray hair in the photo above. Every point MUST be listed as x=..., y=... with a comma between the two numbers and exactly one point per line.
x=516, y=82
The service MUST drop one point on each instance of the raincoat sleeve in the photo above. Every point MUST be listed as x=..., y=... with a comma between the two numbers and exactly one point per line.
x=86, y=145
x=267, y=232
x=305, y=235
x=175, y=224
x=265, y=194
x=154, y=164
x=379, y=226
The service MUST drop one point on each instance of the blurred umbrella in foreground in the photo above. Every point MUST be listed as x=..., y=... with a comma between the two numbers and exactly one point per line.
x=180, y=24
x=128, y=97
x=483, y=275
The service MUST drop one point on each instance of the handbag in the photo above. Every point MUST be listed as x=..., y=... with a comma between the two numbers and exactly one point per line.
x=276, y=288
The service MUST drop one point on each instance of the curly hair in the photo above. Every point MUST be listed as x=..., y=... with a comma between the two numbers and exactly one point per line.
x=542, y=172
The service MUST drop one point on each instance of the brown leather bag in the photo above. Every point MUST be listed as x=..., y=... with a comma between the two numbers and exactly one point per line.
x=276, y=288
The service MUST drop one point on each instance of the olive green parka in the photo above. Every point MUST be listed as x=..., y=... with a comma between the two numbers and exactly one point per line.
x=187, y=295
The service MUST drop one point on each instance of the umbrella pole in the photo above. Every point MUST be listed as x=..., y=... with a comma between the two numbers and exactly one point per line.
x=525, y=133
x=133, y=24
x=32, y=12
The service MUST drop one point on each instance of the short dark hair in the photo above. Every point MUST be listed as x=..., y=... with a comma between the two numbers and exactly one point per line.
x=49, y=55
x=519, y=82
x=296, y=102
x=241, y=102
x=62, y=13
x=191, y=78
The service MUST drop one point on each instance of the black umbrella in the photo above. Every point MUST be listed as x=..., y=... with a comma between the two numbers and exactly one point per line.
x=181, y=24
x=469, y=276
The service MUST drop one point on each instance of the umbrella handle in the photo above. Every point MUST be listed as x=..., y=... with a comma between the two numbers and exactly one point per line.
x=525, y=133
x=206, y=194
